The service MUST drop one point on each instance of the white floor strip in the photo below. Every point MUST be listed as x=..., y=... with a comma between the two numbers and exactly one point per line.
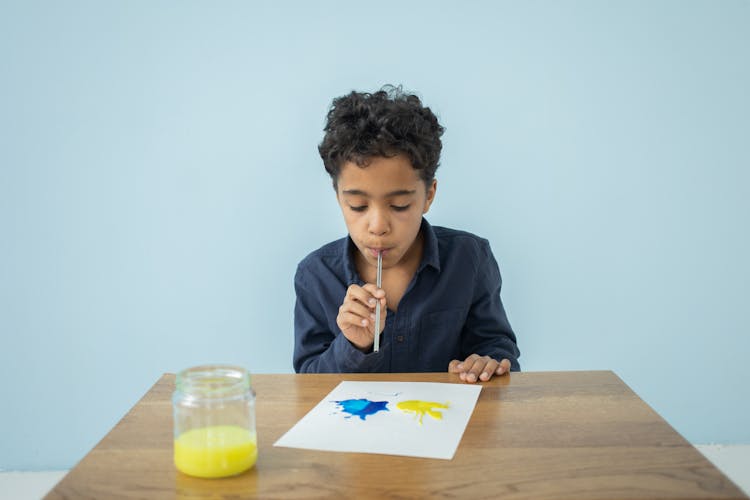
x=28, y=485
x=732, y=460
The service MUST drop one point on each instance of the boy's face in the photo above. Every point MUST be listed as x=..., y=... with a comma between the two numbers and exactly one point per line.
x=383, y=204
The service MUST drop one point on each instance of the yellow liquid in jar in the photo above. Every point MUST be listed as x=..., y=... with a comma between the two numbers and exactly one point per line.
x=218, y=451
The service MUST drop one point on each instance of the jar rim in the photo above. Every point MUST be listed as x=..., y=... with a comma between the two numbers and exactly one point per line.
x=213, y=380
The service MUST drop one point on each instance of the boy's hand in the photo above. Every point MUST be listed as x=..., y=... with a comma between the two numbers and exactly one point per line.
x=478, y=368
x=356, y=317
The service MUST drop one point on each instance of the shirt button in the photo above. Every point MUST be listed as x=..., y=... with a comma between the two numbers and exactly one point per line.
x=400, y=338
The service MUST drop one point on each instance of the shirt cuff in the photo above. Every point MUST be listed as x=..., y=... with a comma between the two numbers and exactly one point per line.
x=352, y=360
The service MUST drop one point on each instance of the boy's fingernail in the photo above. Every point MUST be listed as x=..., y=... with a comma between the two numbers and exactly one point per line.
x=364, y=322
x=471, y=377
x=372, y=316
x=371, y=302
x=460, y=366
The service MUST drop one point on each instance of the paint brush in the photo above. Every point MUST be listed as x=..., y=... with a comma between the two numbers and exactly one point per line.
x=378, y=282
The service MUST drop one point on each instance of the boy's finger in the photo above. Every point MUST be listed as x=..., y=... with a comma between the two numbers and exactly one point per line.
x=503, y=368
x=359, y=294
x=357, y=309
x=374, y=290
x=489, y=370
x=453, y=366
x=347, y=320
x=482, y=369
x=474, y=369
x=469, y=362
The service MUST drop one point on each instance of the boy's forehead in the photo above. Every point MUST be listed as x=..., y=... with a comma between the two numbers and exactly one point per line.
x=379, y=175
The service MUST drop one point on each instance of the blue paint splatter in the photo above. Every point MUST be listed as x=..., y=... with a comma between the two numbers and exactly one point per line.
x=361, y=407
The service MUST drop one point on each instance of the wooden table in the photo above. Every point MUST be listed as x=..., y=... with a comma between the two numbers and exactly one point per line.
x=576, y=435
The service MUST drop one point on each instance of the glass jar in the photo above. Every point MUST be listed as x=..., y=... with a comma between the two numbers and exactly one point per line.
x=214, y=421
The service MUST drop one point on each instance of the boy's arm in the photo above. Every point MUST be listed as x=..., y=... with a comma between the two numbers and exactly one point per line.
x=487, y=331
x=317, y=349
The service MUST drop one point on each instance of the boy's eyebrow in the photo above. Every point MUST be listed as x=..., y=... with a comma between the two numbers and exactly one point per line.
x=398, y=192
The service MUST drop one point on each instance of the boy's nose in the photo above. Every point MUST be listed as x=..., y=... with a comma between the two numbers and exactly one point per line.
x=379, y=224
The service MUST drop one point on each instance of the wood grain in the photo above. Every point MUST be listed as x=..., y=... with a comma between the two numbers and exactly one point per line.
x=545, y=435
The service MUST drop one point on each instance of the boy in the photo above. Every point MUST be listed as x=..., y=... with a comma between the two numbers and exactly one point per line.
x=440, y=295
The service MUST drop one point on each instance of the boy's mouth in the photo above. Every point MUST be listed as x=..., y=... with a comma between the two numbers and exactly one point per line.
x=374, y=251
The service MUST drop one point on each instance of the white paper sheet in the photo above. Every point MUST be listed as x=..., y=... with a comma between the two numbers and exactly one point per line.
x=365, y=417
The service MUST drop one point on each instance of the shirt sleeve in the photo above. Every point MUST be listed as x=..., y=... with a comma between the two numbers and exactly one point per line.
x=319, y=347
x=487, y=331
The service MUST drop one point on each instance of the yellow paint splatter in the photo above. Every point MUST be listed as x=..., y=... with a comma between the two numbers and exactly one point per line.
x=419, y=408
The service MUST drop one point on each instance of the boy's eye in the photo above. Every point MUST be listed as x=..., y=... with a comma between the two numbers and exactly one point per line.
x=358, y=208
x=400, y=208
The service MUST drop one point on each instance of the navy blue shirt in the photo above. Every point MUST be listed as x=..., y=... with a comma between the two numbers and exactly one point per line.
x=450, y=310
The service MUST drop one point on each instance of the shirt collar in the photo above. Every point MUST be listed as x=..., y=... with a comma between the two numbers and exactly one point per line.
x=430, y=255
x=348, y=248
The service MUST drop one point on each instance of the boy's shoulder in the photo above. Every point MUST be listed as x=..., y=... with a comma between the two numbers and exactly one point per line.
x=450, y=236
x=452, y=246
x=331, y=253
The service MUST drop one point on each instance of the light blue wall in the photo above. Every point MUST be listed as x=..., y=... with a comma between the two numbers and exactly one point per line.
x=159, y=181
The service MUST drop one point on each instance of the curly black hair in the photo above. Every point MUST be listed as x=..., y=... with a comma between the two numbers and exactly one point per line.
x=386, y=123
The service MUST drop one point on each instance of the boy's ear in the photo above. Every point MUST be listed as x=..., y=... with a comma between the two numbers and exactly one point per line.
x=430, y=196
